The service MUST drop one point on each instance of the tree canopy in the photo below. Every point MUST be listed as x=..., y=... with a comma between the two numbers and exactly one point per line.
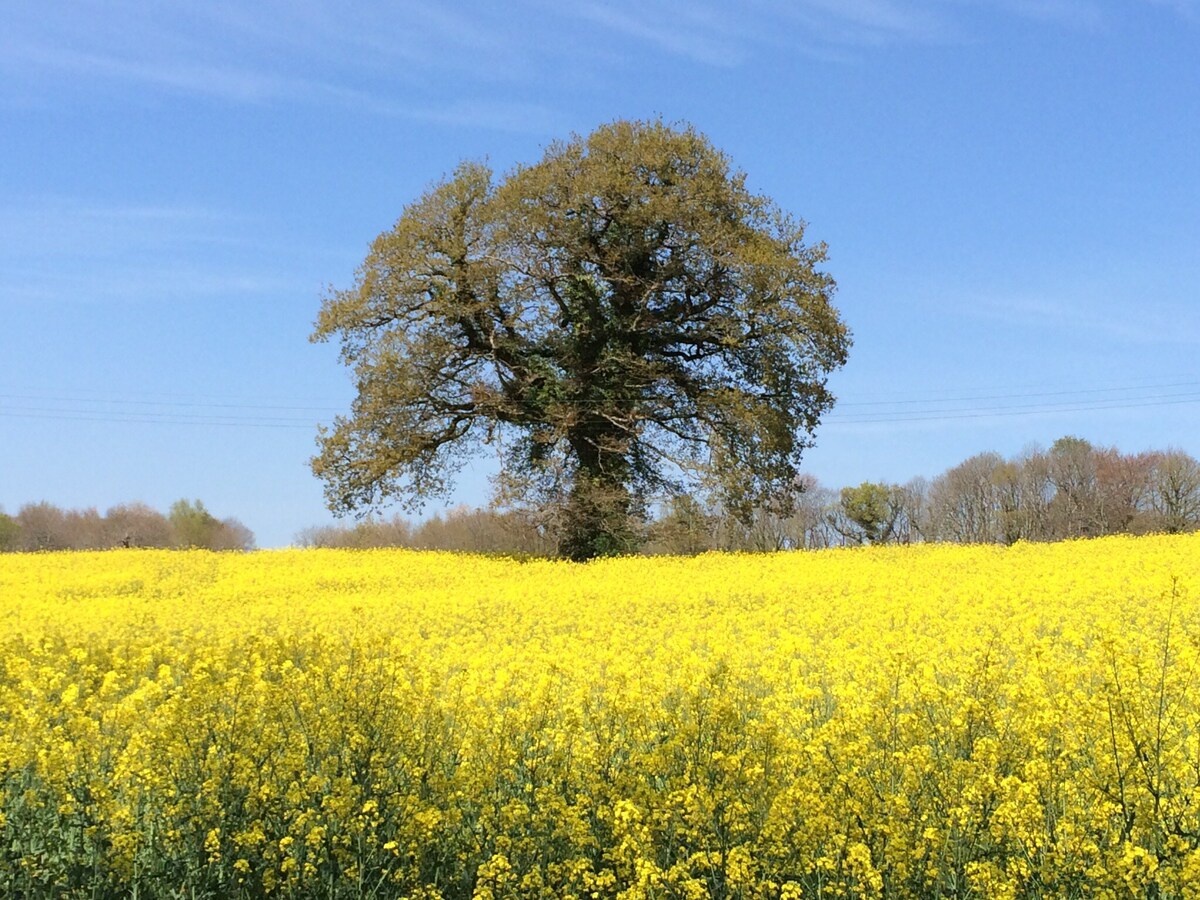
x=623, y=318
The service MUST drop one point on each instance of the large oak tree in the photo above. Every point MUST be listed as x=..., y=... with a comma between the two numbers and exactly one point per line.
x=622, y=318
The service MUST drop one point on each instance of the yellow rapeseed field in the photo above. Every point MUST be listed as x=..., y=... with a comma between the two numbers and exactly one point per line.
x=927, y=721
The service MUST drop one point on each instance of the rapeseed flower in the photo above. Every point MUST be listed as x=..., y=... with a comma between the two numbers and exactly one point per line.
x=889, y=722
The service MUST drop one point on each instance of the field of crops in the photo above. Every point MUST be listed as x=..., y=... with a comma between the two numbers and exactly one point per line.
x=936, y=721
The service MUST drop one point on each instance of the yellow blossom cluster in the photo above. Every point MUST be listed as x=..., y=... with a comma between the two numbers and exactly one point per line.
x=895, y=722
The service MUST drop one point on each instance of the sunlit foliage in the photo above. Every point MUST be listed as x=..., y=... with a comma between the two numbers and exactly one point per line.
x=929, y=721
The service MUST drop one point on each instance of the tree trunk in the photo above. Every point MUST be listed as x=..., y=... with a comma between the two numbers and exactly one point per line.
x=598, y=513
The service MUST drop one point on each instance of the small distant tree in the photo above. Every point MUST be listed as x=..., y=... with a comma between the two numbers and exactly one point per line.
x=476, y=530
x=1123, y=487
x=231, y=534
x=1021, y=492
x=137, y=525
x=43, y=527
x=1075, y=505
x=685, y=528
x=463, y=528
x=10, y=533
x=195, y=527
x=914, y=524
x=460, y=529
x=319, y=536
x=874, y=511
x=811, y=521
x=1174, y=491
x=84, y=529
x=368, y=533
x=965, y=502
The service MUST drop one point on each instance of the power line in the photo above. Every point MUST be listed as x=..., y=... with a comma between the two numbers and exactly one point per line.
x=150, y=414
x=148, y=398
x=58, y=416
x=1024, y=396
x=203, y=405
x=1002, y=412
x=1016, y=410
x=45, y=406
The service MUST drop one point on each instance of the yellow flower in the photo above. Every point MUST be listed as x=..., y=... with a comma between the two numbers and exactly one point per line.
x=931, y=718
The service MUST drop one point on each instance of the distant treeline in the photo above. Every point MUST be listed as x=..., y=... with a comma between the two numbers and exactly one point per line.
x=43, y=526
x=1072, y=490
x=463, y=528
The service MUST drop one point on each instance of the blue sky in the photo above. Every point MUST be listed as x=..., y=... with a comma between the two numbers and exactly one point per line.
x=1010, y=192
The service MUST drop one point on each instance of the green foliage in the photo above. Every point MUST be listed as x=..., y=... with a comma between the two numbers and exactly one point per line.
x=194, y=525
x=873, y=508
x=623, y=317
x=10, y=533
x=598, y=520
x=685, y=527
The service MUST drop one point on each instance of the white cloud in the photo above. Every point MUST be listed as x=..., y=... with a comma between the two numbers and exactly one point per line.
x=1077, y=14
x=1189, y=9
x=408, y=58
x=375, y=58
x=694, y=32
x=1101, y=313
x=61, y=251
x=224, y=81
x=876, y=21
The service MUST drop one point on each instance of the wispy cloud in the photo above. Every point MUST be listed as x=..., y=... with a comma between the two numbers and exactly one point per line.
x=129, y=285
x=1083, y=15
x=1189, y=9
x=723, y=35
x=394, y=60
x=718, y=34
x=63, y=251
x=415, y=59
x=872, y=21
x=1101, y=314
x=227, y=82
x=693, y=31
